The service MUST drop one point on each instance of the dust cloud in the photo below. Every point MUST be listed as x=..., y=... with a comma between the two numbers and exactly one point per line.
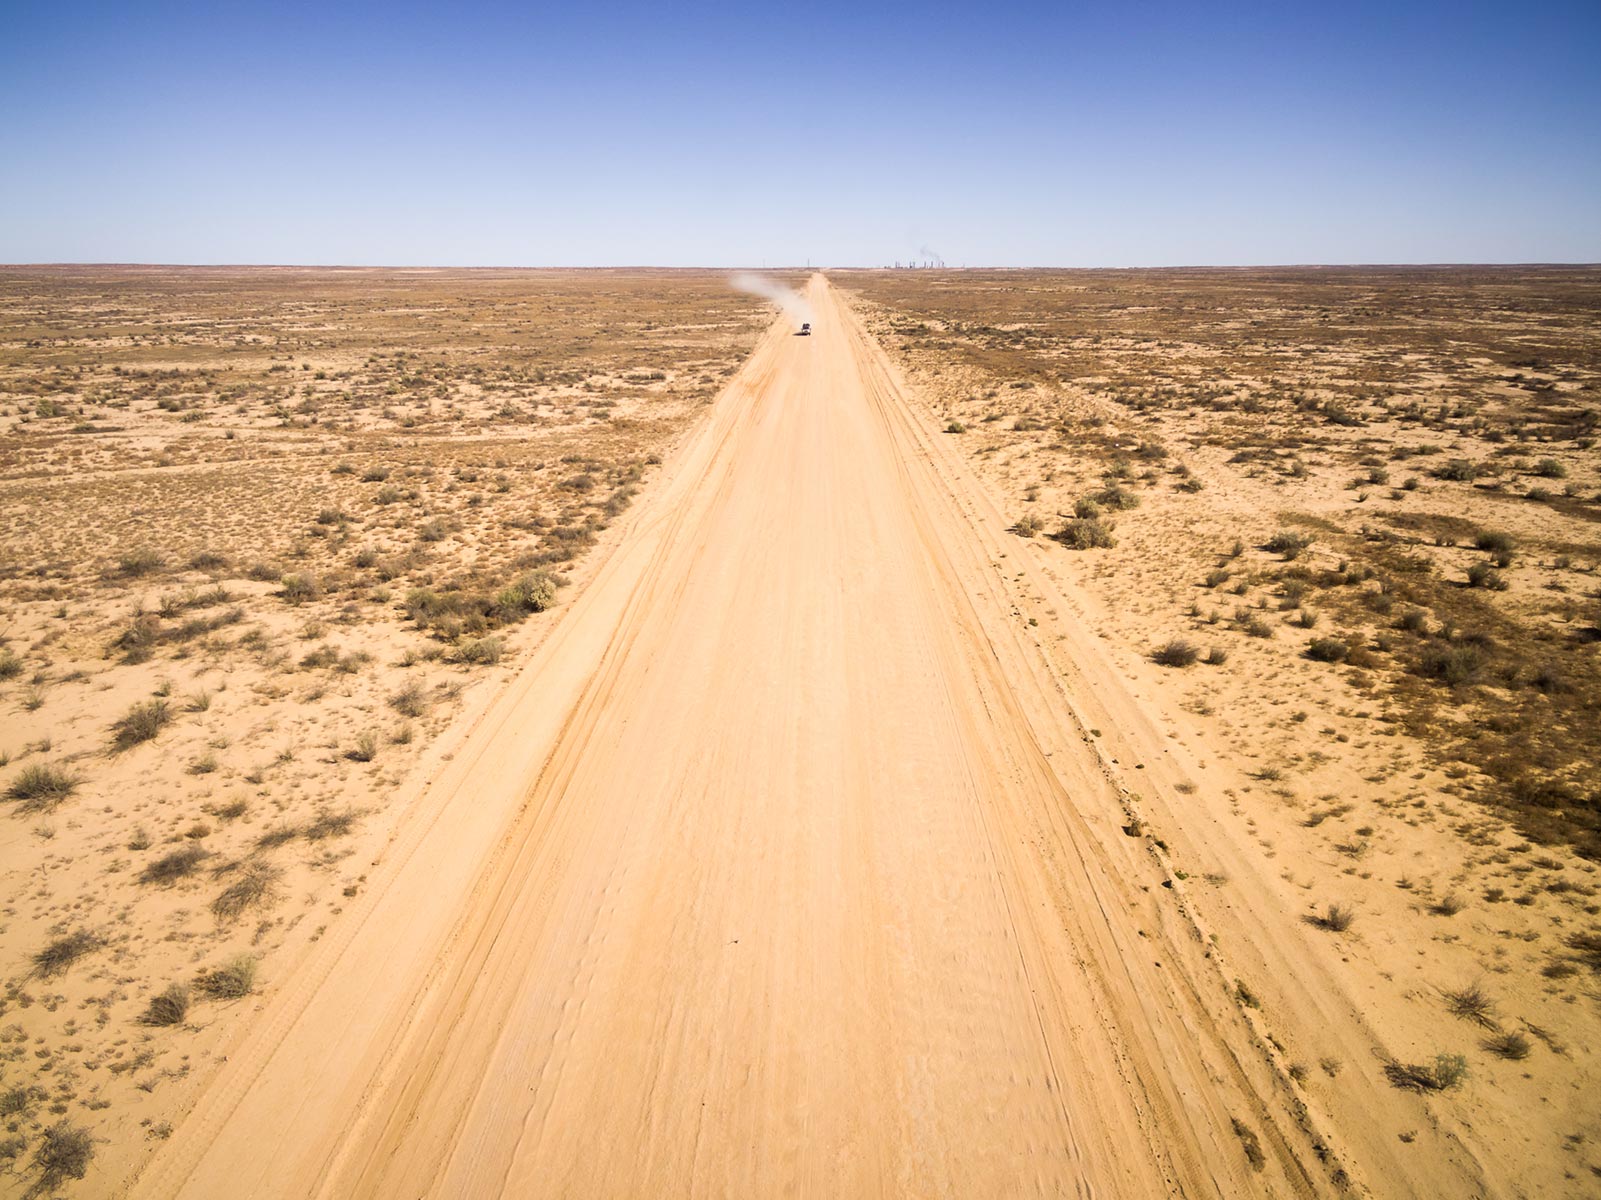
x=791, y=302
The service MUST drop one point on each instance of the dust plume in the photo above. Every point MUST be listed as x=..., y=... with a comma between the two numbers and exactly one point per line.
x=791, y=302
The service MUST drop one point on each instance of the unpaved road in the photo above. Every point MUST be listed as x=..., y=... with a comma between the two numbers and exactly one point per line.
x=781, y=870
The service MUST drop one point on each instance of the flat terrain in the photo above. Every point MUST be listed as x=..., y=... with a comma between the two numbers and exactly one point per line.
x=832, y=828
x=1366, y=501
x=780, y=871
x=298, y=523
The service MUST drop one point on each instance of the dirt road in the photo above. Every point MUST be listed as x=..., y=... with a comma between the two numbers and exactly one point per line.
x=782, y=869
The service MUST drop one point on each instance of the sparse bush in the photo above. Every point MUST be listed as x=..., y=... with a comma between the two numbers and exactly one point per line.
x=60, y=954
x=1500, y=543
x=329, y=824
x=1336, y=918
x=955, y=427
x=16, y=1101
x=64, y=1152
x=1028, y=525
x=1217, y=656
x=1177, y=653
x=234, y=980
x=1587, y=946
x=1453, y=665
x=365, y=749
x=1458, y=470
x=168, y=1008
x=1550, y=468
x=10, y=664
x=410, y=700
x=1086, y=533
x=255, y=887
x=1257, y=628
x=1471, y=1003
x=1445, y=1072
x=170, y=868
x=1116, y=498
x=141, y=723
x=480, y=651
x=140, y=561
x=1288, y=543
x=299, y=588
x=1513, y=1046
x=277, y=836
x=1329, y=650
x=532, y=592
x=1250, y=1143
x=40, y=787
x=1483, y=575
x=1218, y=577
x=1547, y=679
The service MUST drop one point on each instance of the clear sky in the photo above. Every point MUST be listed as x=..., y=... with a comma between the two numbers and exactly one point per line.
x=1013, y=134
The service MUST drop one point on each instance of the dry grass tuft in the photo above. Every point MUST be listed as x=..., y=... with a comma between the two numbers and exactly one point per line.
x=234, y=980
x=40, y=787
x=1471, y=1003
x=1336, y=918
x=255, y=887
x=62, y=953
x=64, y=1152
x=141, y=723
x=169, y=1007
x=1177, y=653
x=1445, y=1072
x=170, y=868
x=1514, y=1047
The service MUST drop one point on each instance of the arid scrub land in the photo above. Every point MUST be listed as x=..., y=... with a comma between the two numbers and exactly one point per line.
x=1349, y=522
x=265, y=532
x=1123, y=731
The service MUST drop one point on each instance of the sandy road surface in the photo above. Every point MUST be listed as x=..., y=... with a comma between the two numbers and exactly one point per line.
x=778, y=871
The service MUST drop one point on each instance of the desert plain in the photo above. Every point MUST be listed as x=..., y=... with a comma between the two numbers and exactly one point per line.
x=475, y=733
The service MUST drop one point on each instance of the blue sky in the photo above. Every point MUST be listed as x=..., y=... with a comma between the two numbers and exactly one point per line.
x=841, y=134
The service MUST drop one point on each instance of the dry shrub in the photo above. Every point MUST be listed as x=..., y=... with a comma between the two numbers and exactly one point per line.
x=1177, y=653
x=1445, y=1072
x=141, y=723
x=168, y=1008
x=40, y=787
x=170, y=868
x=1086, y=533
x=234, y=980
x=1471, y=1003
x=255, y=887
x=1336, y=918
x=64, y=1152
x=62, y=953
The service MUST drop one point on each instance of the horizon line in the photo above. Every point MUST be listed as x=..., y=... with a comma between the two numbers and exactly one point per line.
x=1198, y=266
